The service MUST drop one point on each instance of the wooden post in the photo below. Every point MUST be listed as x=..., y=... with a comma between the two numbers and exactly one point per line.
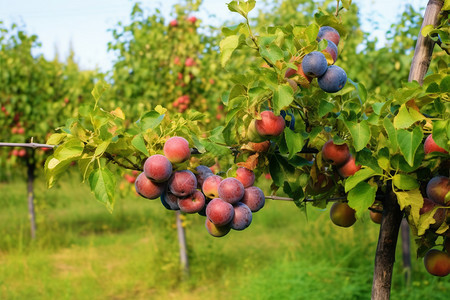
x=30, y=195
x=182, y=243
x=406, y=250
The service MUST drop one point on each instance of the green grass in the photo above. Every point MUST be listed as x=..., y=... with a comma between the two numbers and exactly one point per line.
x=83, y=252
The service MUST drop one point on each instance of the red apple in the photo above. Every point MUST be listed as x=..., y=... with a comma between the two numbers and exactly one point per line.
x=437, y=262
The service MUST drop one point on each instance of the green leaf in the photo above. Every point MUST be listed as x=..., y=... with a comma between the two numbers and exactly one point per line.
x=427, y=29
x=101, y=148
x=405, y=182
x=216, y=149
x=325, y=107
x=294, y=142
x=270, y=51
x=54, y=168
x=392, y=134
x=360, y=133
x=99, y=88
x=295, y=192
x=405, y=118
x=358, y=177
x=242, y=7
x=412, y=199
x=71, y=149
x=362, y=92
x=440, y=133
x=103, y=185
x=445, y=84
x=361, y=197
x=311, y=32
x=282, y=97
x=227, y=47
x=150, y=120
x=280, y=170
x=56, y=138
x=408, y=142
x=139, y=143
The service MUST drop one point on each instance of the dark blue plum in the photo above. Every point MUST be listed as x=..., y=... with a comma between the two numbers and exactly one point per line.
x=314, y=64
x=333, y=80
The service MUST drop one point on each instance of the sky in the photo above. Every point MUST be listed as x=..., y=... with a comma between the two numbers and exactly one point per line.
x=84, y=24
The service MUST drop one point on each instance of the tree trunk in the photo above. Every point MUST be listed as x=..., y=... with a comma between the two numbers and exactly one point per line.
x=30, y=193
x=183, y=247
x=387, y=241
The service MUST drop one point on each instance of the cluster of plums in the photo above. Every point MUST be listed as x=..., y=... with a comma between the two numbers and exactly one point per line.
x=228, y=203
x=330, y=78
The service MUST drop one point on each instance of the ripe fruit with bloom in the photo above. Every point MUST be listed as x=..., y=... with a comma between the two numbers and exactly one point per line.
x=177, y=150
x=147, y=188
x=158, y=168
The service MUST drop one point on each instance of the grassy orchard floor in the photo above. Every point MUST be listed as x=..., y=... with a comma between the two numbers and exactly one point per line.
x=83, y=252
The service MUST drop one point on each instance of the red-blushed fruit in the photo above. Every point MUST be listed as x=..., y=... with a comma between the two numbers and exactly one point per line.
x=215, y=230
x=158, y=168
x=270, y=125
x=192, y=19
x=242, y=216
x=231, y=190
x=253, y=135
x=437, y=262
x=22, y=153
x=437, y=188
x=245, y=176
x=147, y=188
x=219, y=212
x=21, y=130
x=349, y=168
x=431, y=146
x=332, y=50
x=192, y=203
x=173, y=23
x=177, y=150
x=129, y=178
x=182, y=183
x=428, y=205
x=201, y=173
x=189, y=62
x=336, y=155
x=329, y=33
x=297, y=74
x=169, y=200
x=254, y=198
x=210, y=186
x=341, y=214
